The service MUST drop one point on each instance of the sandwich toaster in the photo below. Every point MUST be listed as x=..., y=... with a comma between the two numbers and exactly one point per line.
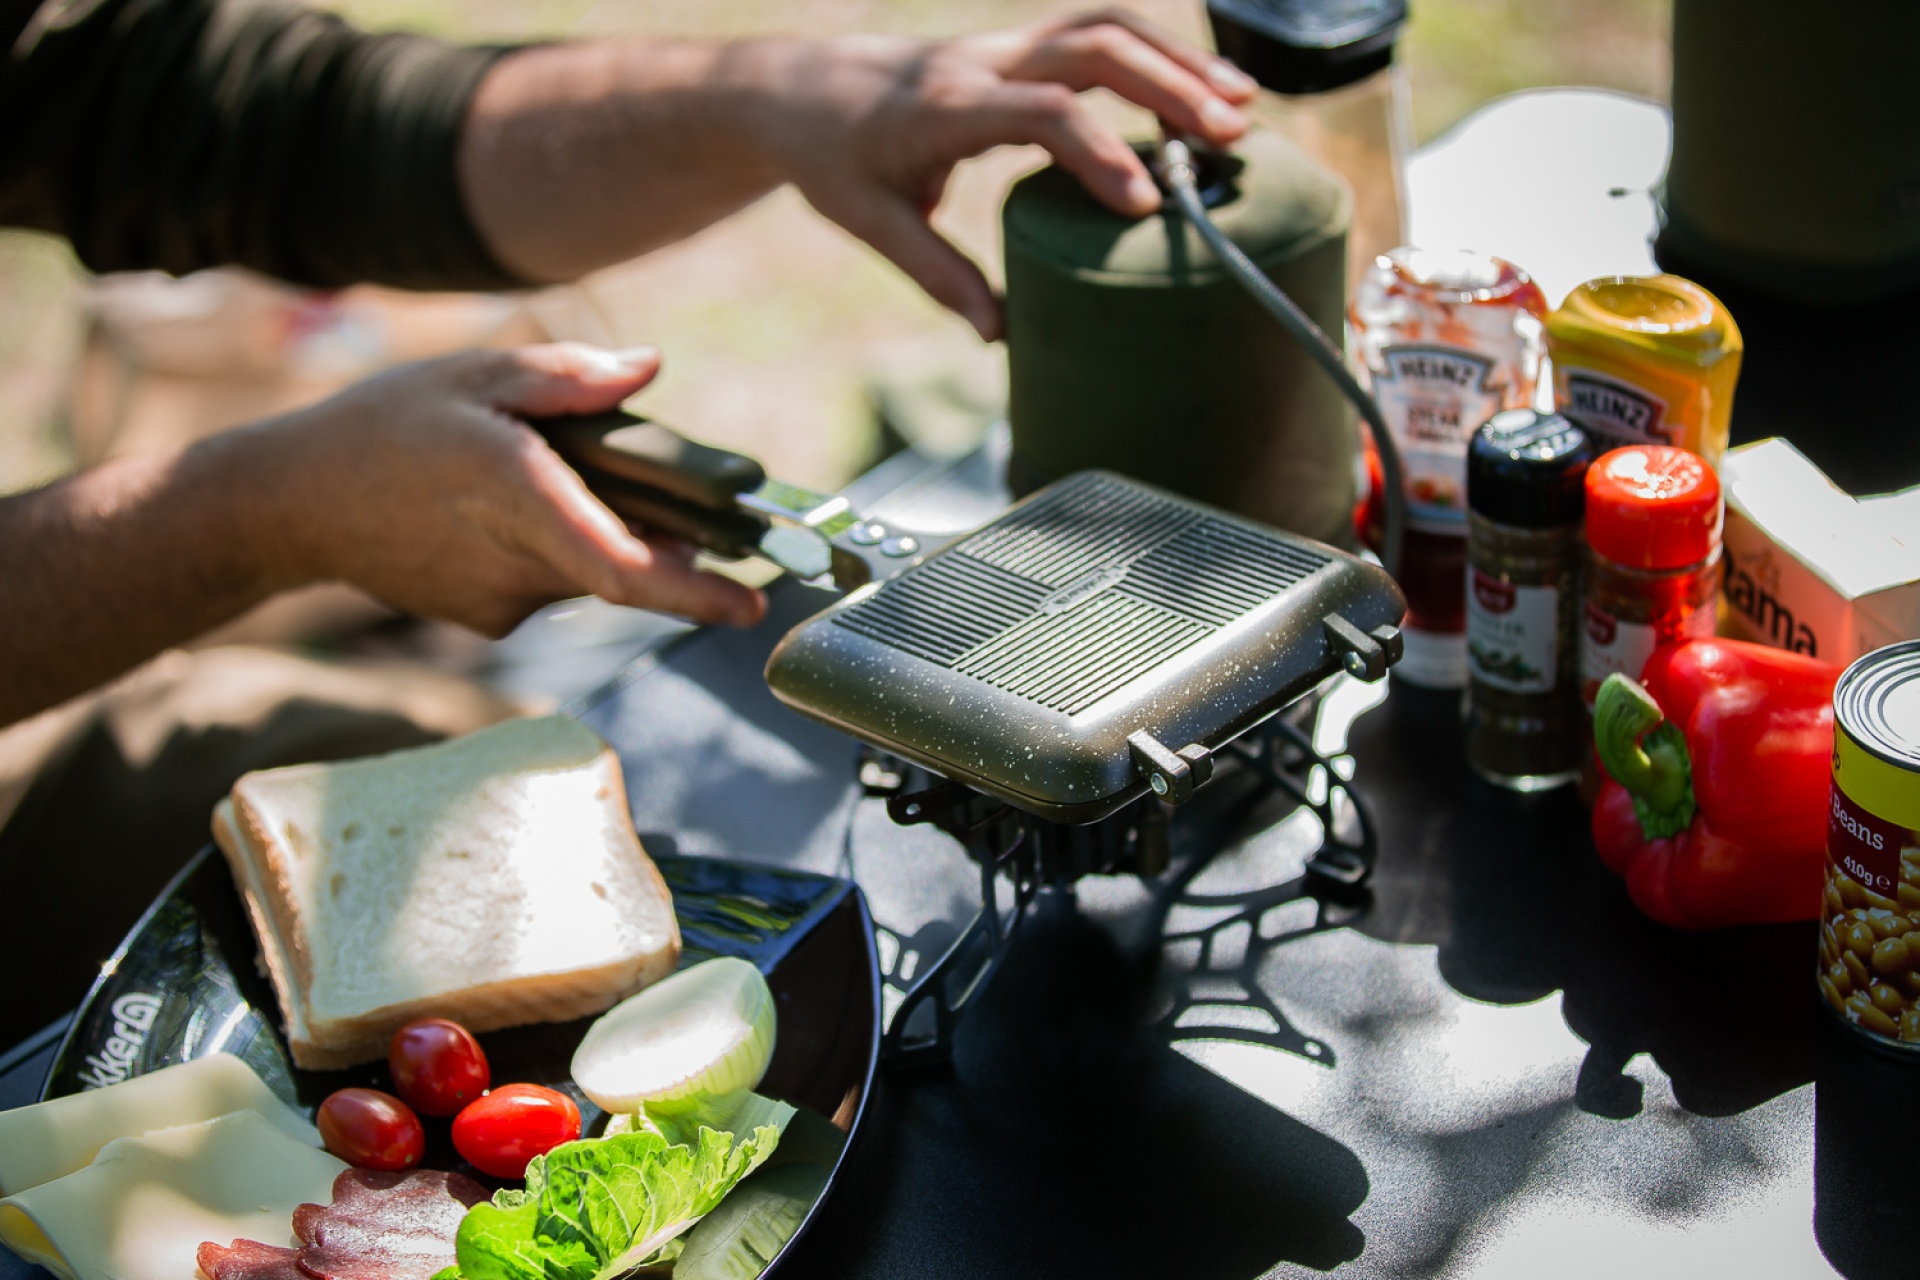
x=1098, y=641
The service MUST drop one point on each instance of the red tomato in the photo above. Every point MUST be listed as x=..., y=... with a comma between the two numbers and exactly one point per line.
x=437, y=1065
x=371, y=1129
x=499, y=1133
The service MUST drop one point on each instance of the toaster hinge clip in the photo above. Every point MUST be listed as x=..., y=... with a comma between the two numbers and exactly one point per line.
x=1173, y=775
x=1364, y=654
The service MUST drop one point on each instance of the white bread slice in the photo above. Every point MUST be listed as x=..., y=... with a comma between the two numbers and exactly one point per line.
x=494, y=879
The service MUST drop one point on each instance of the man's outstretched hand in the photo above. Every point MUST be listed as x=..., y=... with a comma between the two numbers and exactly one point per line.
x=421, y=486
x=870, y=128
x=424, y=487
x=576, y=156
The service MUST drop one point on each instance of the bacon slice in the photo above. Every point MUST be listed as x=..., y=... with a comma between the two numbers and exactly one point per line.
x=380, y=1226
x=306, y=1218
x=385, y=1226
x=249, y=1260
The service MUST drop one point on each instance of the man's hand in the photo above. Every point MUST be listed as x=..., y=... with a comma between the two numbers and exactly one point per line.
x=421, y=486
x=870, y=128
x=578, y=156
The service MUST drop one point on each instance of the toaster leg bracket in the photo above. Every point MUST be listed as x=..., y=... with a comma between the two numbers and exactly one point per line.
x=1284, y=755
x=1016, y=852
x=921, y=1033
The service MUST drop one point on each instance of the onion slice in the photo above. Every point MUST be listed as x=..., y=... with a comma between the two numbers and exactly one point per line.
x=698, y=1035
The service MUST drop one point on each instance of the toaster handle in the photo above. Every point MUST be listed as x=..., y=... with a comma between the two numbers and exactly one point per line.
x=655, y=477
x=644, y=453
x=730, y=532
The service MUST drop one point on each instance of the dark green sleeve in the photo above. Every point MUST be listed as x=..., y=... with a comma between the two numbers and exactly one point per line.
x=180, y=134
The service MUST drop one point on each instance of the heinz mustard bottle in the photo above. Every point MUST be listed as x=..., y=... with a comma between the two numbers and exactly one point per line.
x=1646, y=360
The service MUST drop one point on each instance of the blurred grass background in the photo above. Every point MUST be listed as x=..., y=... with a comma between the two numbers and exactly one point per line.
x=775, y=322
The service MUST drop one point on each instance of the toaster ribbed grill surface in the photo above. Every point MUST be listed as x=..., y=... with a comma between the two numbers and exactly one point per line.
x=1216, y=571
x=1076, y=596
x=945, y=607
x=1081, y=527
x=1069, y=661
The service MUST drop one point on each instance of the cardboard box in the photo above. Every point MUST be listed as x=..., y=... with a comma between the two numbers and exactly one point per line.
x=1811, y=569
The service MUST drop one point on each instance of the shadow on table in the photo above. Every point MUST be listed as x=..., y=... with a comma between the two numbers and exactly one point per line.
x=1863, y=1112
x=1510, y=890
x=1114, y=1154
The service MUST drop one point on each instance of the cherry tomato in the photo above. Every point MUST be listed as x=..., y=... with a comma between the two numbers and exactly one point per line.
x=437, y=1065
x=371, y=1129
x=499, y=1133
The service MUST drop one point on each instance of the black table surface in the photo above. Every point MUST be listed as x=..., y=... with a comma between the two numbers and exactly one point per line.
x=1490, y=1062
x=1490, y=1065
x=1510, y=1066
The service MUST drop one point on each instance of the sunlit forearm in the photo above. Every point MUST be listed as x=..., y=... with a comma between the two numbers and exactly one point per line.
x=107, y=568
x=575, y=156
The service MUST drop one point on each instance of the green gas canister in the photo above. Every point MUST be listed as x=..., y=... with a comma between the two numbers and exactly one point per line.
x=1132, y=349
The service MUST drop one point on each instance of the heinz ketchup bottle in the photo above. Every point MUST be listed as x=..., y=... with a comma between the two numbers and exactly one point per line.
x=1446, y=341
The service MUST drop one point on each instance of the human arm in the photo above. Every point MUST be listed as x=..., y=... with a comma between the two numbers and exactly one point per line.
x=181, y=134
x=578, y=155
x=420, y=486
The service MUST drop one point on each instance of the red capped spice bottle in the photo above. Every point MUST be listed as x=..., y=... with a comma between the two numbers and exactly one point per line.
x=1653, y=558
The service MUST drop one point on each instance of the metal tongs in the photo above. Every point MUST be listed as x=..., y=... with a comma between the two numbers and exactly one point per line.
x=725, y=503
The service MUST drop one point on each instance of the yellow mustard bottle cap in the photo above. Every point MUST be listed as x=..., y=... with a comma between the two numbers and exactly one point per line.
x=1665, y=315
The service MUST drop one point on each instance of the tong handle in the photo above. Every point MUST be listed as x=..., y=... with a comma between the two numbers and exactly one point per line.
x=640, y=451
x=653, y=476
x=730, y=533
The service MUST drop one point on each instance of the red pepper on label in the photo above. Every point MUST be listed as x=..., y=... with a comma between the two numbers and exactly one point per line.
x=1719, y=763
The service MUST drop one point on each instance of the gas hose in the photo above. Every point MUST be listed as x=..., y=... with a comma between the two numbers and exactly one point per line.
x=1177, y=174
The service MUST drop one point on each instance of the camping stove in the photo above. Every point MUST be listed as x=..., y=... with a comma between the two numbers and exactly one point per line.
x=1017, y=853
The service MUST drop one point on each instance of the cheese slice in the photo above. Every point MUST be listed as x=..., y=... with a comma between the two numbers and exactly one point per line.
x=52, y=1139
x=145, y=1205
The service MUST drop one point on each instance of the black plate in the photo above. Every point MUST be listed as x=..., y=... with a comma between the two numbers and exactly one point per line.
x=186, y=983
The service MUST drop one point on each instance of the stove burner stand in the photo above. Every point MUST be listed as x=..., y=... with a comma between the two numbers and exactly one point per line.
x=1026, y=852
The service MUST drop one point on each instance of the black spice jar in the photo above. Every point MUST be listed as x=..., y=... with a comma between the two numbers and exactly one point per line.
x=1526, y=494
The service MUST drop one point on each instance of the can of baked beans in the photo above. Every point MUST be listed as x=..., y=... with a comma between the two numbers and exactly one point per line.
x=1870, y=927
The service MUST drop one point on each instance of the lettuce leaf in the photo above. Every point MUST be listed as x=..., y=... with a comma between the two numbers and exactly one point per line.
x=741, y=1238
x=600, y=1207
x=741, y=1112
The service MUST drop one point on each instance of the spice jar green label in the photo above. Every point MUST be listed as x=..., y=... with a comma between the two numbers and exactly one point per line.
x=1512, y=634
